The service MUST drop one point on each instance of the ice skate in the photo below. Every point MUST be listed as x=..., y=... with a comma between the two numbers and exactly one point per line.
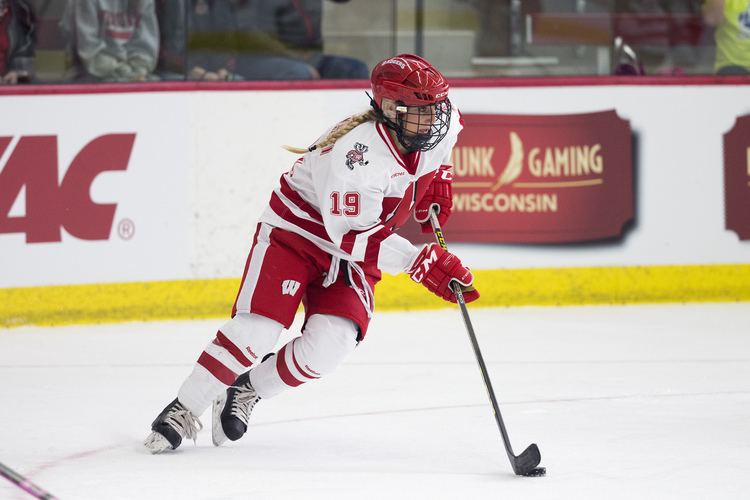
x=173, y=423
x=232, y=410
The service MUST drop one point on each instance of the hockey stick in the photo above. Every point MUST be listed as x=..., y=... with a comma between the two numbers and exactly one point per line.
x=23, y=483
x=526, y=463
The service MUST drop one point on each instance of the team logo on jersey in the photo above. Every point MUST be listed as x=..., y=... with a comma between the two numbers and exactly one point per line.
x=289, y=287
x=356, y=156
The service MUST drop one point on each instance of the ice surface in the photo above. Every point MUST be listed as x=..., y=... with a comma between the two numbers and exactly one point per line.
x=624, y=402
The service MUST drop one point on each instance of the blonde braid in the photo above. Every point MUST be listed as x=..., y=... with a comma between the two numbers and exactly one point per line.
x=338, y=132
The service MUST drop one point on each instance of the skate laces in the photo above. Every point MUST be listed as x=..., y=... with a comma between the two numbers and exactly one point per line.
x=243, y=401
x=184, y=422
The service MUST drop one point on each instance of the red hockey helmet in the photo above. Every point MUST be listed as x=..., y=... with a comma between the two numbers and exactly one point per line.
x=409, y=79
x=418, y=88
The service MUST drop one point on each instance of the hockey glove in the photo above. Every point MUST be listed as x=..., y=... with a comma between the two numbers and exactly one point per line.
x=436, y=269
x=440, y=195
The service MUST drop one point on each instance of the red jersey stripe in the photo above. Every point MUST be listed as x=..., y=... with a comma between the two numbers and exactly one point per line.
x=389, y=142
x=283, y=211
x=390, y=203
x=402, y=212
x=373, y=246
x=410, y=161
x=286, y=213
x=295, y=198
x=348, y=240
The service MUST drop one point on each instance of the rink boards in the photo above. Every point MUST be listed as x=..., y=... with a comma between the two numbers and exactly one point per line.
x=185, y=174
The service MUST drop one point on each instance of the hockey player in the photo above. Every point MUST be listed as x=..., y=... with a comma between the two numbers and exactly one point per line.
x=324, y=239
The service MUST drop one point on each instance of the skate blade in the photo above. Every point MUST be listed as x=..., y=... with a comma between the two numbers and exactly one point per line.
x=156, y=443
x=217, y=431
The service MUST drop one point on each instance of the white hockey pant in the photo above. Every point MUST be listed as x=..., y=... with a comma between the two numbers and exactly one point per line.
x=239, y=345
x=244, y=341
x=325, y=343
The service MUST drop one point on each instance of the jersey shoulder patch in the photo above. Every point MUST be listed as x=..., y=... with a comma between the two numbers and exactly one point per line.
x=354, y=150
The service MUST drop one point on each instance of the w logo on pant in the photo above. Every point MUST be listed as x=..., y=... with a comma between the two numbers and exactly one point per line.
x=289, y=287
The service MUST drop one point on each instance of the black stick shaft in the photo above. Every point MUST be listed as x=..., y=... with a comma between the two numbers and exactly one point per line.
x=477, y=352
x=23, y=483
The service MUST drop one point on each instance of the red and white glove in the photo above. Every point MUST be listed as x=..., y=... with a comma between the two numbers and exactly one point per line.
x=436, y=269
x=438, y=194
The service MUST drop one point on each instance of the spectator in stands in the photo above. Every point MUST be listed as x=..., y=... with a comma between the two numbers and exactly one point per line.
x=248, y=39
x=493, y=36
x=199, y=38
x=732, y=21
x=171, y=61
x=297, y=24
x=662, y=33
x=17, y=30
x=203, y=39
x=112, y=40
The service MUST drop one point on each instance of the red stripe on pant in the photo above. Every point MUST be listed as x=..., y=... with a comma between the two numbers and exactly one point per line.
x=217, y=369
x=299, y=368
x=230, y=346
x=283, y=369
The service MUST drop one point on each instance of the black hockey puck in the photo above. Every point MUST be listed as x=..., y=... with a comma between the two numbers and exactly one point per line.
x=537, y=472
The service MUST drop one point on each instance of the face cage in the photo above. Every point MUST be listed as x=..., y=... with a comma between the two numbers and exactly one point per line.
x=425, y=141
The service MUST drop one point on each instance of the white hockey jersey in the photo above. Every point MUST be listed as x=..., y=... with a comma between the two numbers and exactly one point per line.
x=348, y=198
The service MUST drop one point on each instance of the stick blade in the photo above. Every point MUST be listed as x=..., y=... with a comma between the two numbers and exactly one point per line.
x=526, y=463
